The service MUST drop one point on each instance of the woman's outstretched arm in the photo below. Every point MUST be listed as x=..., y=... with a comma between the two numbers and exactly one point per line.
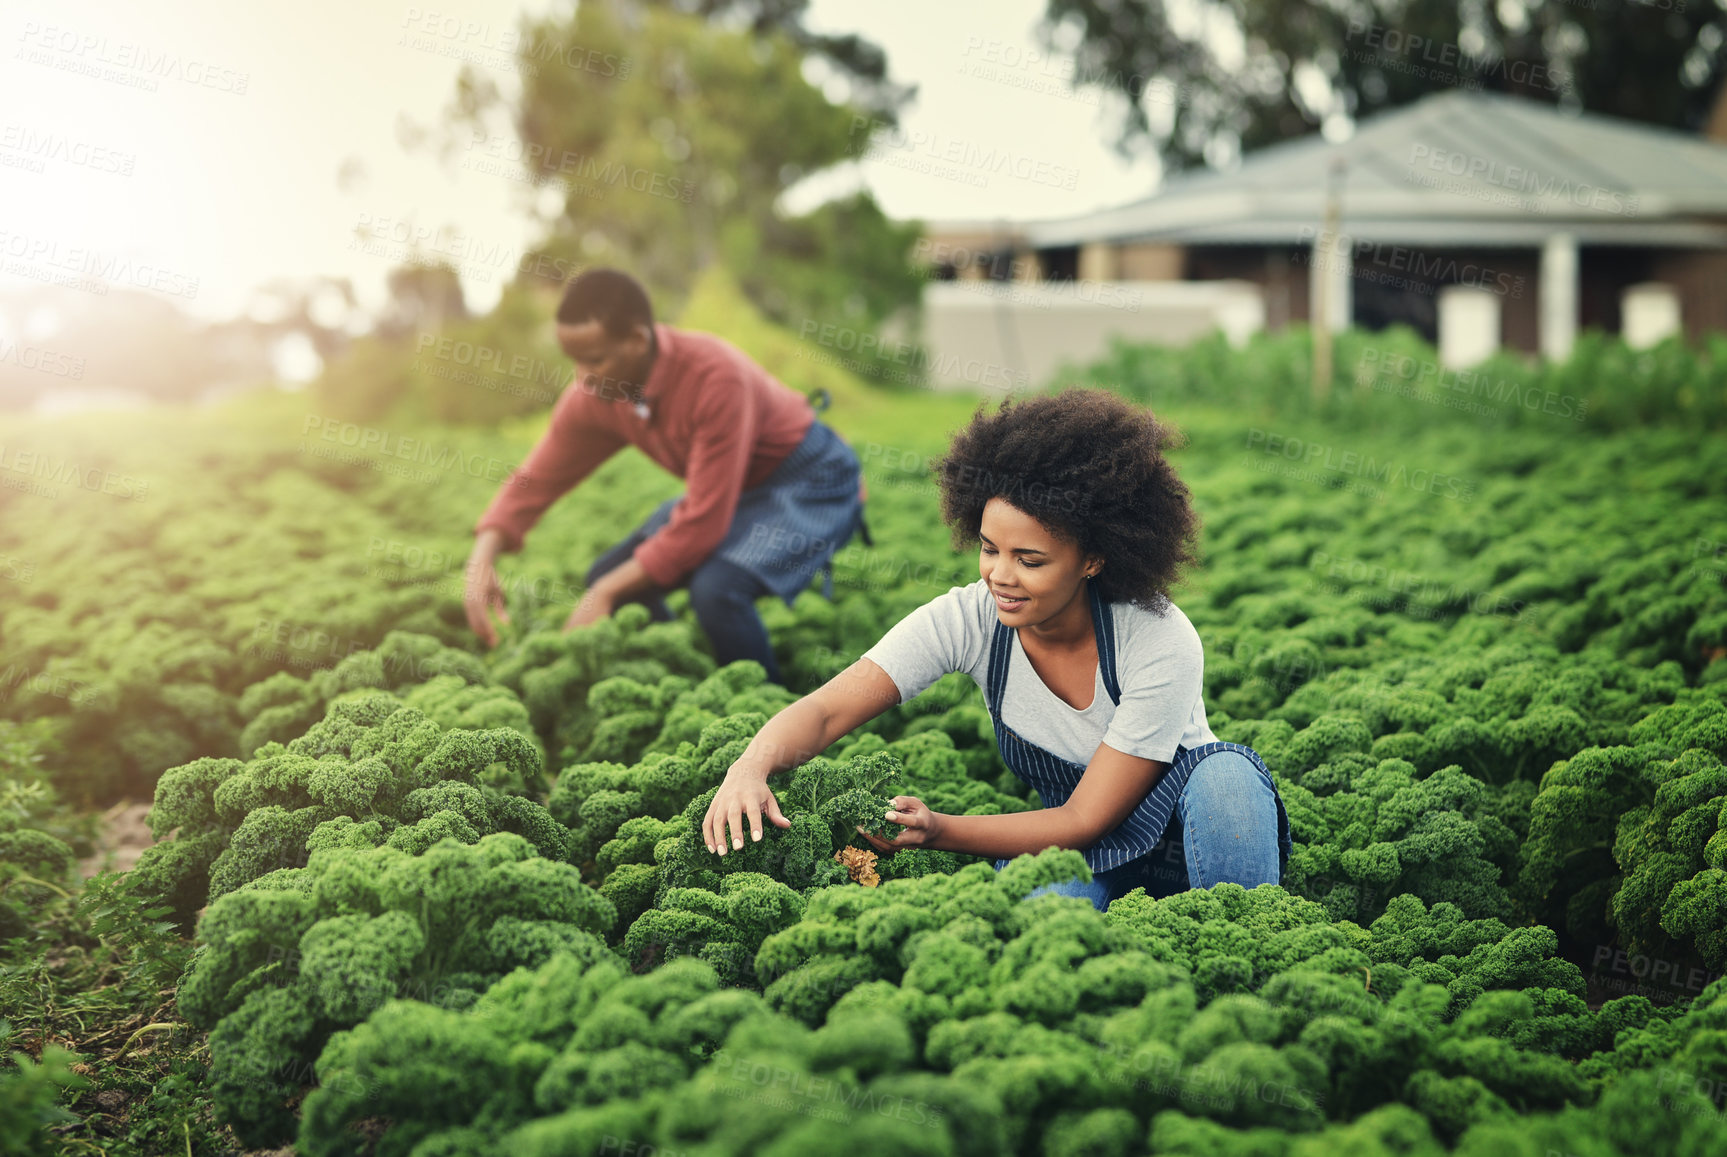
x=800, y=731
x=1113, y=785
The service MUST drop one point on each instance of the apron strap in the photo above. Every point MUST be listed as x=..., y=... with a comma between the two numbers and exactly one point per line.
x=1103, y=623
x=1001, y=653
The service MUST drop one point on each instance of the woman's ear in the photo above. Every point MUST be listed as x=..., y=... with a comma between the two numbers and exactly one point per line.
x=1093, y=564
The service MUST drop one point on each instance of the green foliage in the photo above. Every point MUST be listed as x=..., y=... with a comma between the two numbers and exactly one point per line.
x=29, y=1092
x=554, y=674
x=148, y=619
x=282, y=707
x=373, y=770
x=725, y=929
x=302, y=953
x=28, y=796
x=34, y=869
x=1626, y=838
x=1496, y=722
x=1389, y=380
x=826, y=802
x=1673, y=900
x=1379, y=830
x=996, y=1025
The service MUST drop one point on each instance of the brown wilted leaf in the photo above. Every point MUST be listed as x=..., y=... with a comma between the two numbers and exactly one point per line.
x=860, y=864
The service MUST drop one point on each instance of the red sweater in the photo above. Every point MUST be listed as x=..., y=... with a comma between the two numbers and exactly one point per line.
x=718, y=420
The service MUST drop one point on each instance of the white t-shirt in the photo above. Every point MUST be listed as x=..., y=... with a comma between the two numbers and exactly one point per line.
x=1159, y=667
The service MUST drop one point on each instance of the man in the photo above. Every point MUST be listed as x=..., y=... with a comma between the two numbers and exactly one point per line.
x=771, y=493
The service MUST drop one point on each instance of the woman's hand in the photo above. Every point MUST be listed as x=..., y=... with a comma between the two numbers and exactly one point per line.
x=922, y=826
x=742, y=794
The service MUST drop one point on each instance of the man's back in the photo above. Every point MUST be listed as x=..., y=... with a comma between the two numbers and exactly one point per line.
x=715, y=418
x=770, y=491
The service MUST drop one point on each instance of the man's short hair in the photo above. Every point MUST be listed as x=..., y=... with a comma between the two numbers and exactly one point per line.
x=609, y=296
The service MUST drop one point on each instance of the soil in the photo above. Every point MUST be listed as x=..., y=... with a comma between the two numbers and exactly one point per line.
x=121, y=838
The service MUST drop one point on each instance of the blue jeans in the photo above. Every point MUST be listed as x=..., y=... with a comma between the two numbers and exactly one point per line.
x=723, y=597
x=1224, y=827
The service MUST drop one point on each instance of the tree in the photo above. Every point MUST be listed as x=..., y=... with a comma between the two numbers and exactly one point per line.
x=861, y=63
x=1187, y=96
x=422, y=298
x=666, y=141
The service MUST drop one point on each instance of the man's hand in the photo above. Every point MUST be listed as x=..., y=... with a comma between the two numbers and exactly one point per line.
x=596, y=604
x=742, y=794
x=482, y=592
x=922, y=826
x=609, y=592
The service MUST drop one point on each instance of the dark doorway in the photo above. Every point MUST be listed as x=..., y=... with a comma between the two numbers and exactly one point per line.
x=1380, y=302
x=1060, y=263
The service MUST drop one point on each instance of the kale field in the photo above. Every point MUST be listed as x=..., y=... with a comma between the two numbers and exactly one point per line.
x=411, y=898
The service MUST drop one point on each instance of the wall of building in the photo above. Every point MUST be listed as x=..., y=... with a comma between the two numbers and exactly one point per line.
x=1519, y=310
x=1279, y=271
x=995, y=338
x=1391, y=284
x=973, y=254
x=1145, y=262
x=1701, y=279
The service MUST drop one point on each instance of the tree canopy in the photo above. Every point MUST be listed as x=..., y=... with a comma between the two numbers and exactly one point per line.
x=667, y=138
x=1205, y=82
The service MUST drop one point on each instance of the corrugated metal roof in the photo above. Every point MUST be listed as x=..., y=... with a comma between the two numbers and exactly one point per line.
x=1453, y=168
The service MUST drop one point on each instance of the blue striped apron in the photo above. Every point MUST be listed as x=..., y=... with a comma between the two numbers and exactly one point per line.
x=1054, y=778
x=789, y=526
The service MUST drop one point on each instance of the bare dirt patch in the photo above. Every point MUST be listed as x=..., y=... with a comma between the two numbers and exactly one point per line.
x=121, y=838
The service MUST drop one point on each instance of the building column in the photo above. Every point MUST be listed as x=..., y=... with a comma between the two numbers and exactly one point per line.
x=1097, y=261
x=1330, y=278
x=1559, y=295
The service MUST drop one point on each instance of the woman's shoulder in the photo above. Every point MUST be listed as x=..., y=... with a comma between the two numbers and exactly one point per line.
x=967, y=610
x=974, y=602
x=1164, y=631
x=948, y=631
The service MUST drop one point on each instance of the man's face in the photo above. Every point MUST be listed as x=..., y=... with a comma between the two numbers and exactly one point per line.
x=609, y=366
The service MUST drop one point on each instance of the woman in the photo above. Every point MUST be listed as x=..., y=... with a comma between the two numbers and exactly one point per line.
x=1091, y=674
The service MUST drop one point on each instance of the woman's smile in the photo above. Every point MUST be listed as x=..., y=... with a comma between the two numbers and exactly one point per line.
x=1008, y=604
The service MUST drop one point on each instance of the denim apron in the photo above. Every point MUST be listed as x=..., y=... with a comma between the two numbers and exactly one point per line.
x=1054, y=778
x=789, y=527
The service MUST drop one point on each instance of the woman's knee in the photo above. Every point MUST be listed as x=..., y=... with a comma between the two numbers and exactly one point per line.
x=1230, y=784
x=1230, y=821
x=1094, y=891
x=1097, y=890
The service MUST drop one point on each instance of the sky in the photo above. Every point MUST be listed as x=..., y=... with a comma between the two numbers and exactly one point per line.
x=199, y=149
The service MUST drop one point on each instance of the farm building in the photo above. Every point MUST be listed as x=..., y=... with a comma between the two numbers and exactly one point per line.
x=1479, y=220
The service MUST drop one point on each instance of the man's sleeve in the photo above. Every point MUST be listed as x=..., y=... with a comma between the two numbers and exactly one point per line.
x=572, y=447
x=726, y=420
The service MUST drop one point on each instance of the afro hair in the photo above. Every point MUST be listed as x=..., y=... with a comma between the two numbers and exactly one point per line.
x=1089, y=466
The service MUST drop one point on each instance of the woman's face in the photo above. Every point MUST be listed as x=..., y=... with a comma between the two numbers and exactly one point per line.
x=1033, y=574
